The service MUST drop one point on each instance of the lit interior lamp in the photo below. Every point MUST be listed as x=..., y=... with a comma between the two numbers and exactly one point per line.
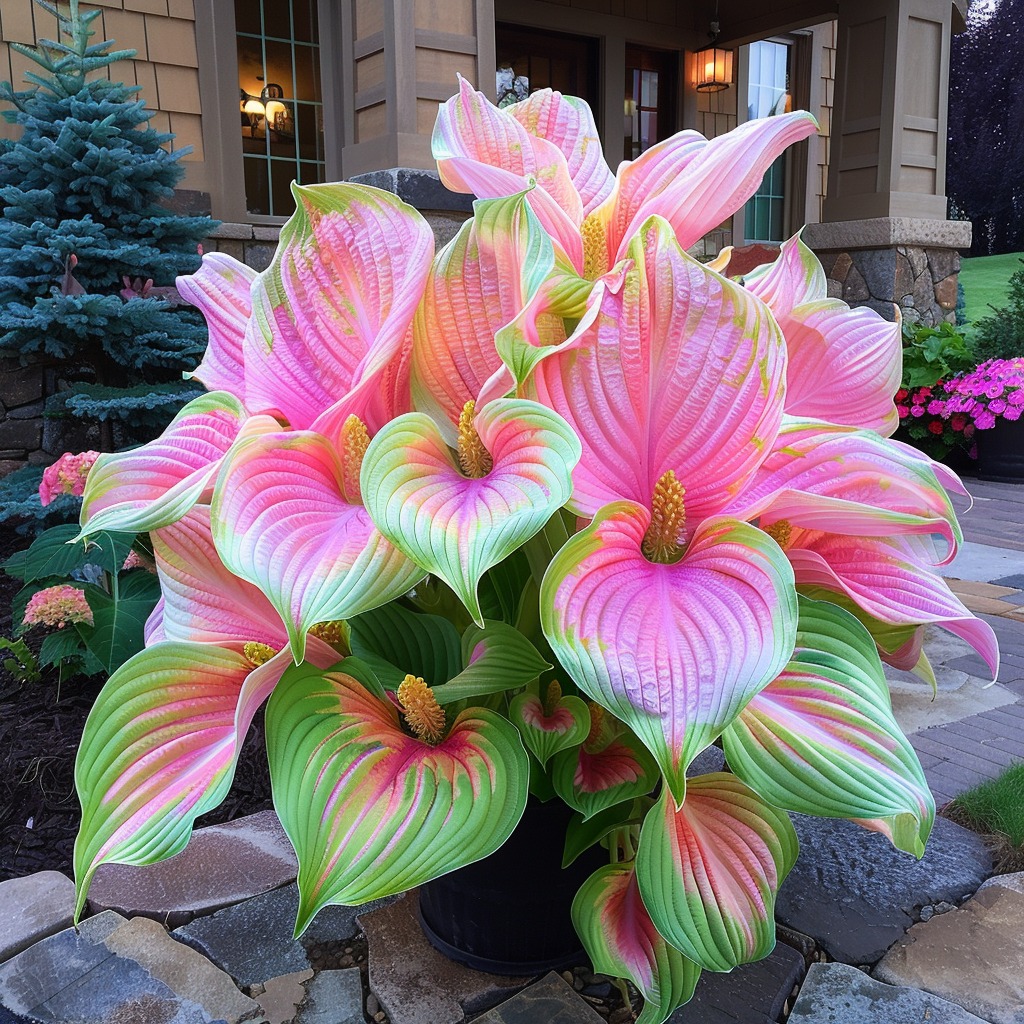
x=712, y=66
x=277, y=111
x=254, y=110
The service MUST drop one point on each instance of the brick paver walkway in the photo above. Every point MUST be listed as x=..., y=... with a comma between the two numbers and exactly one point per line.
x=961, y=754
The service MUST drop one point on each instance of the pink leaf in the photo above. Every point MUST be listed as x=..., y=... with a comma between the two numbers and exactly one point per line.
x=220, y=288
x=334, y=307
x=681, y=370
x=287, y=518
x=673, y=650
x=154, y=485
x=844, y=364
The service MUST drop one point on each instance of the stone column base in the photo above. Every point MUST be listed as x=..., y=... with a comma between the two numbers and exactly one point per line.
x=892, y=262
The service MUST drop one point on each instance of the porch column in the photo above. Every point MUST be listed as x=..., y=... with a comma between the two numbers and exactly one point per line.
x=399, y=60
x=885, y=239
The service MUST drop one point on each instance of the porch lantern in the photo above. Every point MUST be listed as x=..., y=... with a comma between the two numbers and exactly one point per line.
x=712, y=69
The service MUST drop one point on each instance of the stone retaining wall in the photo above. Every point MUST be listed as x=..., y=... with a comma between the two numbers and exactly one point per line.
x=22, y=396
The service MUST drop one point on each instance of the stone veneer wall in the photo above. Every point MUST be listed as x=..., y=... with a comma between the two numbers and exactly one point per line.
x=920, y=281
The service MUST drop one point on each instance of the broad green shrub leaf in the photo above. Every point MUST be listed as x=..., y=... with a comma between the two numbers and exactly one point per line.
x=118, y=628
x=420, y=645
x=53, y=554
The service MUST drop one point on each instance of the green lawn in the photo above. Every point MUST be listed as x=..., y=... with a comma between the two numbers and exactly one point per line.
x=985, y=281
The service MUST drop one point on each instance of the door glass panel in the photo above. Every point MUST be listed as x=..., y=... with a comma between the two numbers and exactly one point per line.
x=649, y=106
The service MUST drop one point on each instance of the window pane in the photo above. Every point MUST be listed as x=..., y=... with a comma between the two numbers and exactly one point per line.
x=279, y=72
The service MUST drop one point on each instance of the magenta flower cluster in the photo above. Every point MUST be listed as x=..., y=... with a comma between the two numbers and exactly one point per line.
x=994, y=389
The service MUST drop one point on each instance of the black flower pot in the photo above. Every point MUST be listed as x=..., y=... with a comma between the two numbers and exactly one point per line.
x=510, y=912
x=1001, y=452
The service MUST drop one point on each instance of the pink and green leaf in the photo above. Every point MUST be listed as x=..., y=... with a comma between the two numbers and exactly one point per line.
x=844, y=364
x=884, y=577
x=673, y=650
x=457, y=527
x=160, y=747
x=709, y=871
x=336, y=303
x=286, y=517
x=547, y=729
x=594, y=776
x=838, y=479
x=221, y=289
x=372, y=810
x=152, y=486
x=478, y=283
x=621, y=940
x=568, y=122
x=677, y=363
x=583, y=833
x=821, y=739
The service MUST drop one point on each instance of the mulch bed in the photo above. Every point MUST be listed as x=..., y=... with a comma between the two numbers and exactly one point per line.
x=39, y=735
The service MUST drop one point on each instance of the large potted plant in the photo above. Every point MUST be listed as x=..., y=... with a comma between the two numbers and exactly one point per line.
x=548, y=513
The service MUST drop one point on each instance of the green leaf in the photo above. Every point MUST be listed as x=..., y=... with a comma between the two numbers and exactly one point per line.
x=583, y=833
x=118, y=625
x=65, y=643
x=51, y=554
x=421, y=645
x=22, y=664
x=497, y=658
x=501, y=588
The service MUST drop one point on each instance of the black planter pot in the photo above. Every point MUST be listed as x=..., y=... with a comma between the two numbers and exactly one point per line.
x=1001, y=452
x=510, y=913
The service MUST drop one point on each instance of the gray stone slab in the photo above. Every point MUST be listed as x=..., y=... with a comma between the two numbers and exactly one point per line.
x=709, y=760
x=222, y=865
x=414, y=983
x=749, y=993
x=1016, y=580
x=983, y=563
x=32, y=908
x=119, y=972
x=333, y=997
x=838, y=994
x=972, y=956
x=26, y=980
x=253, y=940
x=550, y=1000
x=854, y=893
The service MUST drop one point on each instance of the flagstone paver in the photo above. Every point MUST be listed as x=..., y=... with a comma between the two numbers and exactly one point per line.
x=32, y=908
x=550, y=1000
x=114, y=970
x=748, y=994
x=839, y=994
x=416, y=984
x=222, y=865
x=856, y=894
x=333, y=997
x=972, y=956
x=253, y=940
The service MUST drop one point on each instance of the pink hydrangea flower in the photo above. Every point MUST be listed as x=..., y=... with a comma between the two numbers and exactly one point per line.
x=136, y=561
x=66, y=476
x=58, y=606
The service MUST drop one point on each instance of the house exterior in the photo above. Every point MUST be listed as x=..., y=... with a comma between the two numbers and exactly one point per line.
x=264, y=91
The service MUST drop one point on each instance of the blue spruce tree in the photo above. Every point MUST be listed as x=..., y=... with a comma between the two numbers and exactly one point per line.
x=83, y=192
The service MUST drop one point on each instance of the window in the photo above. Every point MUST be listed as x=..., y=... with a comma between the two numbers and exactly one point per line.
x=280, y=102
x=768, y=94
